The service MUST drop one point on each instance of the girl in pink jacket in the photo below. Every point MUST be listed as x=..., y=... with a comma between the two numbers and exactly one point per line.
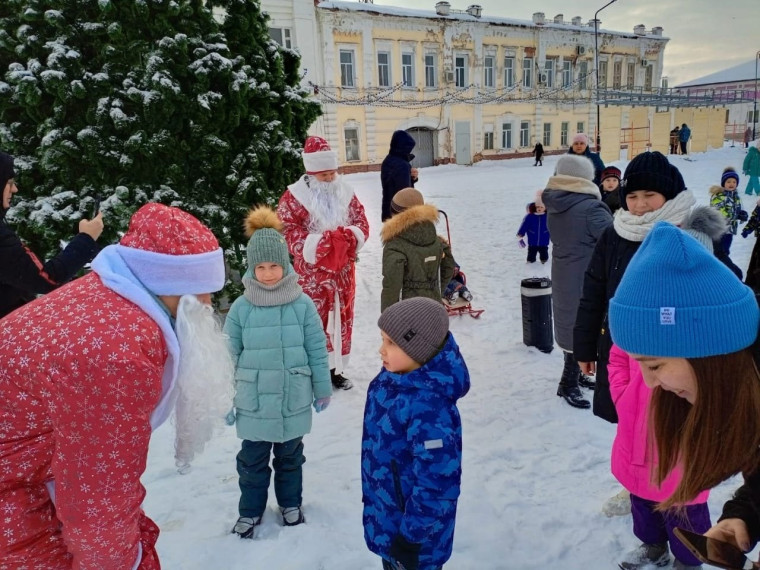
x=633, y=463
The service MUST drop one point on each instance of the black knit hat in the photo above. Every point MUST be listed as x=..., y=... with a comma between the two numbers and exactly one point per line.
x=418, y=326
x=6, y=169
x=651, y=171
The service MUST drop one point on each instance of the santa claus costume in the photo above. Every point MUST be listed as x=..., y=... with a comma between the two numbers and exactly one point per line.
x=89, y=371
x=325, y=226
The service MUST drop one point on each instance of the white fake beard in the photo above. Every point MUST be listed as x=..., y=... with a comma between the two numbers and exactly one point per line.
x=328, y=210
x=204, y=382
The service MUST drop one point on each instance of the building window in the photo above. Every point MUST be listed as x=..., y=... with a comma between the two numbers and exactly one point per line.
x=384, y=69
x=750, y=116
x=564, y=127
x=352, y=144
x=580, y=127
x=567, y=74
x=648, y=72
x=488, y=71
x=528, y=72
x=583, y=75
x=407, y=69
x=617, y=75
x=431, y=66
x=509, y=71
x=460, y=70
x=487, y=141
x=603, y=75
x=547, y=134
x=524, y=133
x=506, y=135
x=630, y=77
x=346, y=68
x=549, y=66
x=281, y=36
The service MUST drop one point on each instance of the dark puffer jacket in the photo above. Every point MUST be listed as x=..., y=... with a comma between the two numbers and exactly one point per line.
x=596, y=159
x=411, y=460
x=416, y=261
x=23, y=276
x=396, y=170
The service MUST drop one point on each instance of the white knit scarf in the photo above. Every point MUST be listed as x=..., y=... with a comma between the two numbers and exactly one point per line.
x=635, y=228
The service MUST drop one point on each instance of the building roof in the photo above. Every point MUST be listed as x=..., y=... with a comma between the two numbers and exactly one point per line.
x=353, y=6
x=741, y=72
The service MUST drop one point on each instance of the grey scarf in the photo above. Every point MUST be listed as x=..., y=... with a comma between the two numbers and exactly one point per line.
x=285, y=291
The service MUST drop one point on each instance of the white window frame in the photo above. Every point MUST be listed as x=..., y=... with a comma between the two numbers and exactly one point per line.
x=527, y=68
x=630, y=79
x=489, y=71
x=547, y=138
x=431, y=70
x=648, y=77
x=509, y=71
x=488, y=140
x=524, y=134
x=603, y=69
x=407, y=68
x=460, y=71
x=580, y=127
x=549, y=66
x=507, y=135
x=564, y=133
x=567, y=73
x=286, y=36
x=617, y=74
x=345, y=67
x=348, y=145
x=583, y=75
x=387, y=66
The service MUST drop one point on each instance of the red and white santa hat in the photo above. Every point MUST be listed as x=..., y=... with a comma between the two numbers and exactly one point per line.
x=172, y=253
x=318, y=157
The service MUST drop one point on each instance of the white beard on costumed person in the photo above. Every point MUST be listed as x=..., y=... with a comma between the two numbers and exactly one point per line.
x=329, y=206
x=205, y=380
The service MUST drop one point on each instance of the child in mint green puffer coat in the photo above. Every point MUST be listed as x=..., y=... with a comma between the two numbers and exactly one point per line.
x=280, y=350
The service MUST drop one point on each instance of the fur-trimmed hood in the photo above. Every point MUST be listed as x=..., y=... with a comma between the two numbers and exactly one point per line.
x=261, y=217
x=716, y=189
x=402, y=221
x=706, y=220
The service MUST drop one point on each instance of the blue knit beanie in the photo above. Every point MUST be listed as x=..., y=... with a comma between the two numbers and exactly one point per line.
x=729, y=173
x=677, y=300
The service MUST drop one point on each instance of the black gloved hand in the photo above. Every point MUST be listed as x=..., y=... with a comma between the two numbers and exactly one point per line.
x=743, y=216
x=405, y=555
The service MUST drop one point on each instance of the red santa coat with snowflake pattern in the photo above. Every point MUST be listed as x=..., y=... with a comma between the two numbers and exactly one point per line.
x=76, y=397
x=331, y=286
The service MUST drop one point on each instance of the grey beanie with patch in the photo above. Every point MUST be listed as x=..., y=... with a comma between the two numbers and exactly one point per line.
x=418, y=326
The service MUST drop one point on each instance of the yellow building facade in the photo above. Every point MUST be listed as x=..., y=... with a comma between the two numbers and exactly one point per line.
x=472, y=87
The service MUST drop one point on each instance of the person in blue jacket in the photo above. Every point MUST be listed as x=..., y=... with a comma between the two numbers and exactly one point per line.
x=411, y=461
x=579, y=146
x=535, y=227
x=683, y=136
x=281, y=368
x=396, y=172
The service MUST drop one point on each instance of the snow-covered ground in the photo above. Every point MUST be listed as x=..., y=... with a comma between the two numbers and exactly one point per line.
x=536, y=471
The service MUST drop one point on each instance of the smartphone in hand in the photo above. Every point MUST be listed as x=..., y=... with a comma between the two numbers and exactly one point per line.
x=713, y=551
x=95, y=206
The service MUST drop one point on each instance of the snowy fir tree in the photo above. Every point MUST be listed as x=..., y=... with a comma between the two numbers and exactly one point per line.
x=146, y=100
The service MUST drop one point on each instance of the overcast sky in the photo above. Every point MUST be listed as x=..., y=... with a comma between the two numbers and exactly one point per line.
x=705, y=35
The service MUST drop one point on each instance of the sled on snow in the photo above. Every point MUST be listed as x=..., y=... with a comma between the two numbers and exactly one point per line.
x=461, y=306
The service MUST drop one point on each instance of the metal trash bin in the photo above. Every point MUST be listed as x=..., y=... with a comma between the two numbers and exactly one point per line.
x=536, y=297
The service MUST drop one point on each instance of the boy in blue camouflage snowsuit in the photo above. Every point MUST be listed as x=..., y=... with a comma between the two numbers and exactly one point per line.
x=412, y=438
